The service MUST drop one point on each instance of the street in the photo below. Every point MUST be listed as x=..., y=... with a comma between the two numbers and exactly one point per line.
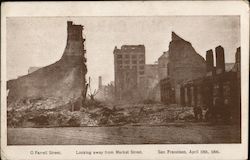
x=172, y=133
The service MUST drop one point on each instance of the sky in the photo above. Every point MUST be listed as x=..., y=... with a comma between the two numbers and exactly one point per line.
x=40, y=41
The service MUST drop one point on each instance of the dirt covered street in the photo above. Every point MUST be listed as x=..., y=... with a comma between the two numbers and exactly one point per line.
x=171, y=133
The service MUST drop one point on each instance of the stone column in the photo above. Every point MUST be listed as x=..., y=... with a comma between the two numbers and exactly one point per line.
x=182, y=96
x=162, y=92
x=192, y=95
x=195, y=95
x=177, y=95
x=186, y=95
x=199, y=96
x=189, y=97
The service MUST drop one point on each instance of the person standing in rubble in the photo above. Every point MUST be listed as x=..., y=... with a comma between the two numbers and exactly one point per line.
x=198, y=113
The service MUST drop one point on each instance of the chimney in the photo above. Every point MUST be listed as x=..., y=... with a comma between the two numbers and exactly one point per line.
x=74, y=31
x=237, y=62
x=75, y=41
x=220, y=60
x=100, y=82
x=210, y=61
x=237, y=55
x=69, y=23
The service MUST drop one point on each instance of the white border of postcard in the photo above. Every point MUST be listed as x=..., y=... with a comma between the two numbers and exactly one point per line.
x=126, y=8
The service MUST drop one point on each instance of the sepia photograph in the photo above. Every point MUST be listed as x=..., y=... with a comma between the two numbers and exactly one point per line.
x=124, y=80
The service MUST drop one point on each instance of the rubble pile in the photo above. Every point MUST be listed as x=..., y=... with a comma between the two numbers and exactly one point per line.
x=41, y=112
x=161, y=114
x=142, y=114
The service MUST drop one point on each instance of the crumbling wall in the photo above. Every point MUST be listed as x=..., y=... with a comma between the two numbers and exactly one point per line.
x=185, y=63
x=65, y=79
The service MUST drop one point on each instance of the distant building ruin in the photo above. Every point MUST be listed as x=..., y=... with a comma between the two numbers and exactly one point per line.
x=105, y=93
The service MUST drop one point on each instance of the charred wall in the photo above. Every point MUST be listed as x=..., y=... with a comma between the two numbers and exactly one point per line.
x=65, y=79
x=184, y=64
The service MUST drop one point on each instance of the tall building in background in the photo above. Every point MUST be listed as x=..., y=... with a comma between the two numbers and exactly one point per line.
x=129, y=62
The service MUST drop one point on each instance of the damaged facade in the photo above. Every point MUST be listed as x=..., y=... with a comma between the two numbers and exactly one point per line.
x=219, y=85
x=180, y=63
x=181, y=77
x=134, y=78
x=64, y=80
x=194, y=82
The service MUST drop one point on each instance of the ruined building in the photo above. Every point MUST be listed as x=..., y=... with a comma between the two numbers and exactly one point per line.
x=219, y=83
x=180, y=63
x=192, y=81
x=64, y=80
x=129, y=62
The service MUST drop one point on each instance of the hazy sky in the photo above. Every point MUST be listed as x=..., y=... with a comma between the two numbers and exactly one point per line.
x=41, y=41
